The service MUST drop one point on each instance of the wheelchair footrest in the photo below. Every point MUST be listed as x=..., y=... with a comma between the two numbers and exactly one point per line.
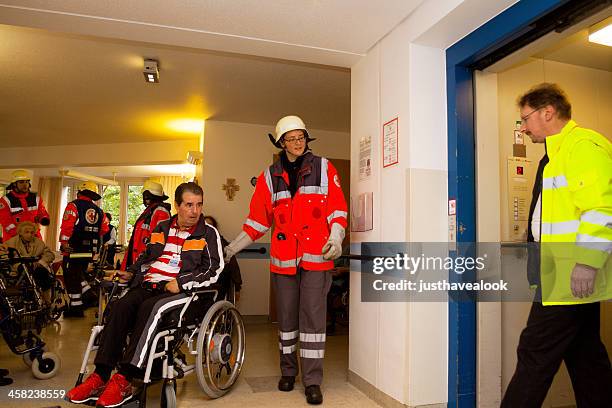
x=133, y=403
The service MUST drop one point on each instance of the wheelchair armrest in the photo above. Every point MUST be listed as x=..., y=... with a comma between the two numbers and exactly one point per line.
x=194, y=294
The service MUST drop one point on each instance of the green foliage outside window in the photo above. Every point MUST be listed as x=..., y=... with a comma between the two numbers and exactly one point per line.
x=135, y=206
x=111, y=203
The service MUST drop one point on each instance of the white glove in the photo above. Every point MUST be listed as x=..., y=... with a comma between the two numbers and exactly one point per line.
x=333, y=247
x=238, y=244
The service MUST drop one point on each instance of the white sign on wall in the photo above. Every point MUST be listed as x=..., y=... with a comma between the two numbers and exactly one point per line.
x=365, y=157
x=390, y=148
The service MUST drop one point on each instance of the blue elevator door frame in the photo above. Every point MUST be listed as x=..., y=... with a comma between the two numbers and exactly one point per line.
x=462, y=172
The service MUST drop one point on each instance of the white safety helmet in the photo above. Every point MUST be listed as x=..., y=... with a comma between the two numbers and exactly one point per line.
x=154, y=188
x=287, y=124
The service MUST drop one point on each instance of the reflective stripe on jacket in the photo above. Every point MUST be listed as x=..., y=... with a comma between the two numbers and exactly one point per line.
x=302, y=223
x=576, y=213
x=19, y=207
x=201, y=256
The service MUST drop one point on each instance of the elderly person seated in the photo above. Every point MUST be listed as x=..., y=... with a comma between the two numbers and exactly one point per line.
x=27, y=244
x=183, y=254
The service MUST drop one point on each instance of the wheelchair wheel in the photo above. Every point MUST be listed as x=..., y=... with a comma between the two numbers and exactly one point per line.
x=168, y=395
x=220, y=349
x=28, y=358
x=48, y=366
x=59, y=300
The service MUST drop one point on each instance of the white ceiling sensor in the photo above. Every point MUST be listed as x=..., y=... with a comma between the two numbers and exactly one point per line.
x=151, y=70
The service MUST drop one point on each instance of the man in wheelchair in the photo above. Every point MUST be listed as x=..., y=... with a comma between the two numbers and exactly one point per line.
x=184, y=254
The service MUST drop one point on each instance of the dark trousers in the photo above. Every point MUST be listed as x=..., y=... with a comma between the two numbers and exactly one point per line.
x=74, y=274
x=301, y=305
x=43, y=277
x=138, y=313
x=561, y=333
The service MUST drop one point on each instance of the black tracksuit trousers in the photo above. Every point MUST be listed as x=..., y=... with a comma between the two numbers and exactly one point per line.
x=138, y=313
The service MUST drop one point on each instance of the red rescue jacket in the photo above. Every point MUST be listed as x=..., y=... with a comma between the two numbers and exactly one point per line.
x=141, y=234
x=301, y=223
x=18, y=207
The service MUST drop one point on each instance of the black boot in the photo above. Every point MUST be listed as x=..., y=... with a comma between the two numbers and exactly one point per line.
x=5, y=381
x=89, y=299
x=74, y=311
x=286, y=383
x=313, y=395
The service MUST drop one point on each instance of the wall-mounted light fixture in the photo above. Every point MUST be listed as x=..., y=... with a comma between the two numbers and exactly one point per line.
x=87, y=177
x=601, y=33
x=151, y=70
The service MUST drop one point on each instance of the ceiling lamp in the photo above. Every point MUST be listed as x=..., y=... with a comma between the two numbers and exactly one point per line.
x=151, y=70
x=601, y=33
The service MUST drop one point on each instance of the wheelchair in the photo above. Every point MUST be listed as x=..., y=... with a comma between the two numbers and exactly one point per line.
x=215, y=340
x=24, y=313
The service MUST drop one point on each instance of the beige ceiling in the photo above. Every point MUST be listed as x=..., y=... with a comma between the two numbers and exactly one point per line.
x=71, y=70
x=577, y=50
x=331, y=32
x=570, y=46
x=64, y=89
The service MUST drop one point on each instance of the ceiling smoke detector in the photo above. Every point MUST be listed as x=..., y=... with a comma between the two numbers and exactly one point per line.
x=151, y=70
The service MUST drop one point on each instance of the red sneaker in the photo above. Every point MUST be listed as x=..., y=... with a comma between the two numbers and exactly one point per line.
x=90, y=389
x=117, y=391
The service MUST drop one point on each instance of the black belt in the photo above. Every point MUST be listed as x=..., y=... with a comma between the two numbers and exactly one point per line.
x=154, y=286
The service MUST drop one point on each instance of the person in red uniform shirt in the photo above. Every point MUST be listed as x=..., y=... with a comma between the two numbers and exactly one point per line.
x=83, y=226
x=157, y=210
x=20, y=204
x=301, y=193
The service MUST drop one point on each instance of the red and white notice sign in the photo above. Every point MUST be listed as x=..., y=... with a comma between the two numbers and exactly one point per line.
x=390, y=148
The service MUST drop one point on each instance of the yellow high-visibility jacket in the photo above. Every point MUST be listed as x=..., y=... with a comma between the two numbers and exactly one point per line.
x=576, y=213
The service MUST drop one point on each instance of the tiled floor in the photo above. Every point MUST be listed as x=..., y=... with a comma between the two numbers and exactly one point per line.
x=256, y=386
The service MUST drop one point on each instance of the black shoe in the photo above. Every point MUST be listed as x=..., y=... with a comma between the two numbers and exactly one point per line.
x=89, y=299
x=74, y=312
x=5, y=381
x=313, y=395
x=4, y=372
x=286, y=383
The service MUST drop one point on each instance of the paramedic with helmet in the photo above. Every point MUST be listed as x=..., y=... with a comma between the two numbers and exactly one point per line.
x=20, y=204
x=83, y=226
x=157, y=210
x=301, y=194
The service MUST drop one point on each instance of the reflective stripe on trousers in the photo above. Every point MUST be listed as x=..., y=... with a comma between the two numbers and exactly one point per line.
x=301, y=304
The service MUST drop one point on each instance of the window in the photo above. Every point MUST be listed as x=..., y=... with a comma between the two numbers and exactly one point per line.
x=111, y=203
x=135, y=206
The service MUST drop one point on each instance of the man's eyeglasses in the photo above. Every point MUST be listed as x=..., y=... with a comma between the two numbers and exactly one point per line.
x=295, y=139
x=524, y=118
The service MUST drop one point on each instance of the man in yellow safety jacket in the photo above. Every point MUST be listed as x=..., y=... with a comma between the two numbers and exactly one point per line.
x=575, y=234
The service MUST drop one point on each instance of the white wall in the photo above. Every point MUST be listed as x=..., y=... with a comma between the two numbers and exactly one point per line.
x=241, y=151
x=407, y=358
